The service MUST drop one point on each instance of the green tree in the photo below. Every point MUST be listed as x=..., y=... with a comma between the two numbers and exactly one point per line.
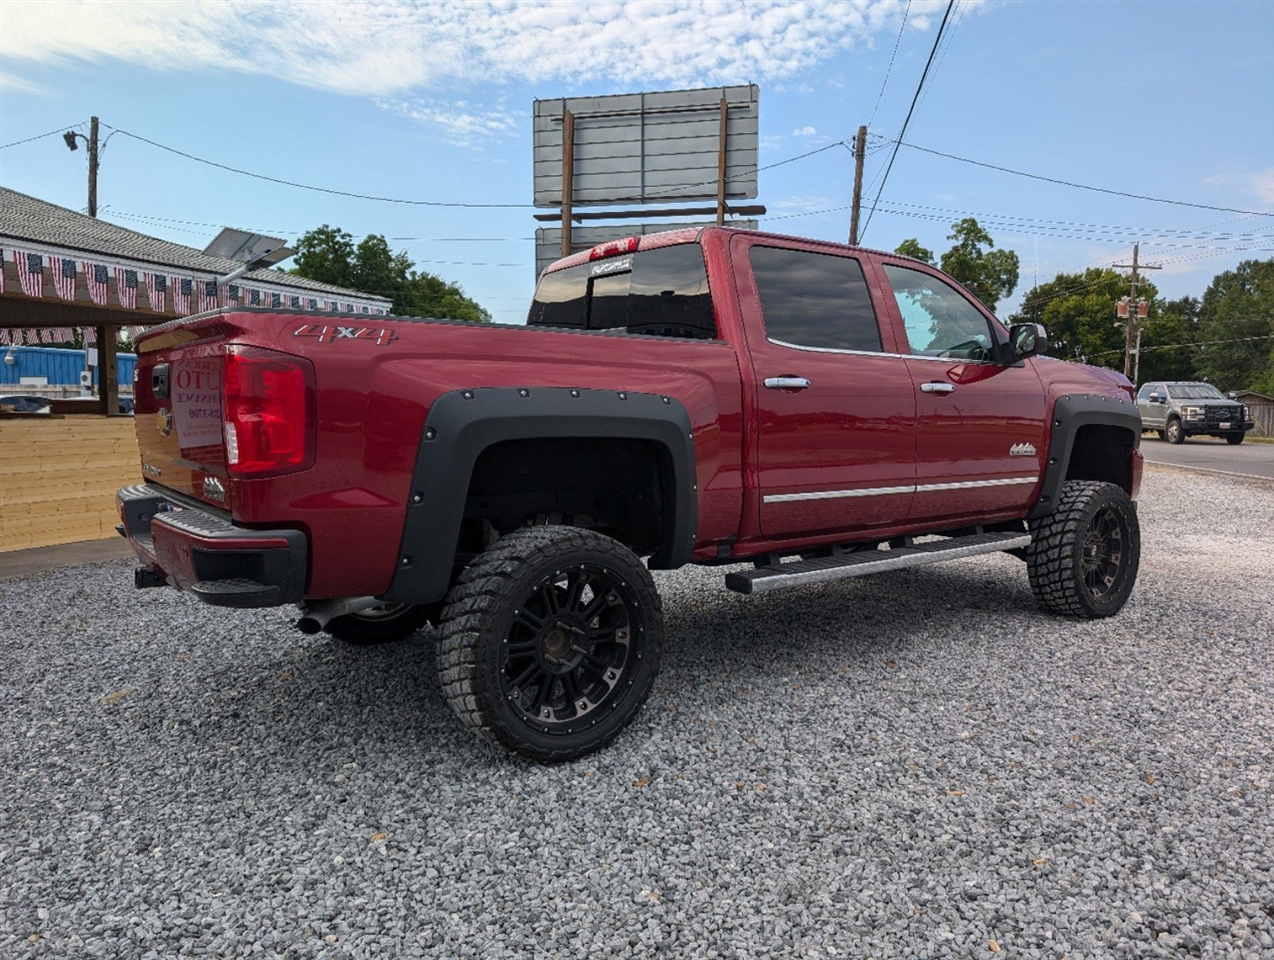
x=912, y=248
x=988, y=274
x=1079, y=311
x=328, y=254
x=325, y=254
x=1236, y=328
x=425, y=295
x=1167, y=336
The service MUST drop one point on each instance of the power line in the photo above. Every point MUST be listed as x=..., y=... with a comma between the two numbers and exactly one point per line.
x=327, y=190
x=41, y=136
x=1176, y=346
x=1077, y=288
x=1165, y=232
x=1098, y=234
x=151, y=218
x=1080, y=186
x=885, y=82
x=901, y=133
x=440, y=203
x=1062, y=229
x=946, y=46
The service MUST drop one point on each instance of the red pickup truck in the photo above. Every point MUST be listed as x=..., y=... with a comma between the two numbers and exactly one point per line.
x=710, y=396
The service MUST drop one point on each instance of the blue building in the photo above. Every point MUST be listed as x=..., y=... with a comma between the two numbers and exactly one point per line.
x=58, y=367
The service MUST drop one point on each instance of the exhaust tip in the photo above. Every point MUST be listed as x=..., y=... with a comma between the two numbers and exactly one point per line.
x=309, y=626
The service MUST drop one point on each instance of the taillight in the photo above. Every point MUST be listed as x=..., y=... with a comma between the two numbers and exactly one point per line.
x=270, y=412
x=612, y=247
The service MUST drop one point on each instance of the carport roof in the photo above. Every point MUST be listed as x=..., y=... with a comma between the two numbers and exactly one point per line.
x=28, y=221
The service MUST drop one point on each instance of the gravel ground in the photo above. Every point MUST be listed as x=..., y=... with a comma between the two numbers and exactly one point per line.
x=914, y=765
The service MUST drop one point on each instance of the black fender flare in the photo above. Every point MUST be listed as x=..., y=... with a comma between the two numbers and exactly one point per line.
x=1070, y=413
x=463, y=423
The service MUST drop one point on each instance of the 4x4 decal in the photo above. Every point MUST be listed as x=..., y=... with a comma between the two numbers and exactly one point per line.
x=329, y=333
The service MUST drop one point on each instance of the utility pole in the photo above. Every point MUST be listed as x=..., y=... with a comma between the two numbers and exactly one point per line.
x=70, y=138
x=860, y=150
x=92, y=167
x=1133, y=308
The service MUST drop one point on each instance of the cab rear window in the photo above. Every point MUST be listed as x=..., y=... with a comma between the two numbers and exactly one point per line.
x=662, y=293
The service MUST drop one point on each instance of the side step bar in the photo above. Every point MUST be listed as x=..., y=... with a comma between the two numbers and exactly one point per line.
x=826, y=569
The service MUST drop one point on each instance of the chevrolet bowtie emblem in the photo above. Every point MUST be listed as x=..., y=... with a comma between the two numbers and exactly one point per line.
x=1022, y=450
x=164, y=421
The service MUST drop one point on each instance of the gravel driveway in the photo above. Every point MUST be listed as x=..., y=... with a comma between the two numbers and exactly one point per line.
x=913, y=765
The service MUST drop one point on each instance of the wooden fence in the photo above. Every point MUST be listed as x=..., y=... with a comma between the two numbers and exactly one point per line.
x=1263, y=415
x=58, y=477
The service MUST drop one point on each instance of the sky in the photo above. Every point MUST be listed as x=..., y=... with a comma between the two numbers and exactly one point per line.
x=432, y=103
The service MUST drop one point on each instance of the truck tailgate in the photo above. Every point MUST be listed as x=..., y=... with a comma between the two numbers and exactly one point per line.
x=178, y=412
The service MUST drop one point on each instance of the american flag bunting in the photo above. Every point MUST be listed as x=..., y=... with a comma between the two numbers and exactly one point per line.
x=126, y=287
x=96, y=278
x=181, y=288
x=157, y=291
x=63, y=276
x=207, y=295
x=30, y=268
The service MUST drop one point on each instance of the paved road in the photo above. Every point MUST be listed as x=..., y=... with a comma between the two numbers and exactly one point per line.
x=1207, y=453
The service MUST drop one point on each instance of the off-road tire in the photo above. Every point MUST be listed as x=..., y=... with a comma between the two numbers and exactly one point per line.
x=525, y=610
x=387, y=623
x=1234, y=439
x=1084, y=556
x=1174, y=432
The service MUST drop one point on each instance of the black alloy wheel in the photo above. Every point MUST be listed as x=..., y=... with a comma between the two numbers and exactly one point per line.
x=570, y=642
x=550, y=641
x=1105, y=547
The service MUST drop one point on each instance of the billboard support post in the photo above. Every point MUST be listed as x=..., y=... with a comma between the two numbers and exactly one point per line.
x=652, y=153
x=568, y=177
x=721, y=158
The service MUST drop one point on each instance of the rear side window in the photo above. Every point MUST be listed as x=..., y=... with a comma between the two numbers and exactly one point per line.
x=661, y=293
x=814, y=300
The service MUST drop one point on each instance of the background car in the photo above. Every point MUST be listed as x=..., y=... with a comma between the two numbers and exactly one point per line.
x=1179, y=410
x=25, y=404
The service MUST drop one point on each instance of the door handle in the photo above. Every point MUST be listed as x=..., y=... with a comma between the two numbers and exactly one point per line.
x=938, y=387
x=787, y=383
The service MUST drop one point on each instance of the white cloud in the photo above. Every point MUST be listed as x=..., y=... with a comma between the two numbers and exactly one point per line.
x=462, y=123
x=11, y=84
x=404, y=53
x=804, y=132
x=1259, y=185
x=386, y=48
x=1262, y=185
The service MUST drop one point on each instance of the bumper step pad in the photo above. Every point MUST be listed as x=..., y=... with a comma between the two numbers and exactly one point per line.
x=824, y=570
x=237, y=592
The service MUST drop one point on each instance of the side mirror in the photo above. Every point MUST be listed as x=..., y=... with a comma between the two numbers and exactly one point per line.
x=1027, y=340
x=1155, y=398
